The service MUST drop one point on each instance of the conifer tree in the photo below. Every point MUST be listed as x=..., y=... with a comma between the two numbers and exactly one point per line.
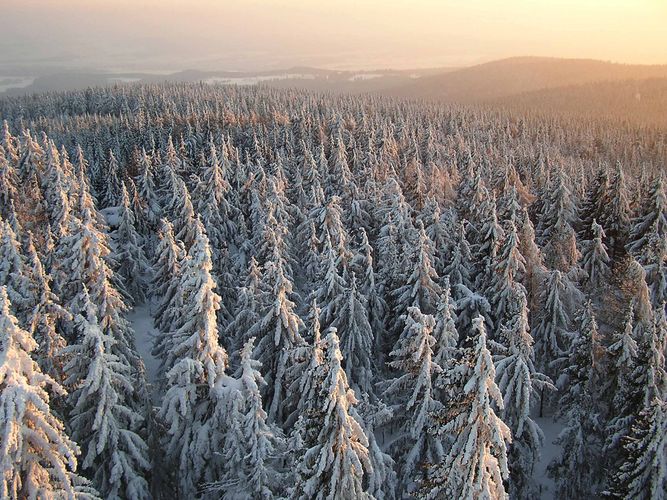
x=277, y=332
x=103, y=421
x=38, y=458
x=336, y=460
x=13, y=274
x=129, y=252
x=652, y=221
x=616, y=218
x=644, y=474
x=594, y=258
x=194, y=364
x=508, y=268
x=552, y=332
x=46, y=318
x=421, y=288
x=445, y=333
x=476, y=464
x=413, y=397
x=519, y=382
x=251, y=444
x=357, y=340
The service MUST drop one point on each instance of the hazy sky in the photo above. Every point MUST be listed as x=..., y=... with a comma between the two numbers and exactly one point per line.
x=243, y=34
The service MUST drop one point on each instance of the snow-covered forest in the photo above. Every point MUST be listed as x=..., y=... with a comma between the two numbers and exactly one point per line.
x=246, y=293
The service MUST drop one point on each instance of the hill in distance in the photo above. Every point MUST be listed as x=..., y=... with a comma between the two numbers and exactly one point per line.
x=517, y=75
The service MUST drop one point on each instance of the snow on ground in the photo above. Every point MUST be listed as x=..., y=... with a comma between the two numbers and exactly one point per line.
x=15, y=82
x=550, y=450
x=142, y=323
x=123, y=79
x=253, y=80
x=365, y=76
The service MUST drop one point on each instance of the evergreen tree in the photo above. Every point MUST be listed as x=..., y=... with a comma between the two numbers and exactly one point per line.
x=277, y=333
x=421, y=288
x=552, y=332
x=102, y=418
x=335, y=461
x=644, y=474
x=413, y=397
x=357, y=340
x=652, y=220
x=129, y=252
x=519, y=382
x=194, y=364
x=594, y=258
x=616, y=218
x=38, y=458
x=46, y=319
x=476, y=464
x=251, y=444
x=13, y=274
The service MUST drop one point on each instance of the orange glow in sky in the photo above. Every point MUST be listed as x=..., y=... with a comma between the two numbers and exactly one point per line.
x=336, y=33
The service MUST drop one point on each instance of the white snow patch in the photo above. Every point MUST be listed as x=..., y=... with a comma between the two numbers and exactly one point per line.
x=549, y=451
x=15, y=82
x=123, y=79
x=144, y=335
x=365, y=76
x=253, y=80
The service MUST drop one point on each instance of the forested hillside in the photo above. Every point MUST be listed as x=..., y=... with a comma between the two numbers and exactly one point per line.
x=354, y=297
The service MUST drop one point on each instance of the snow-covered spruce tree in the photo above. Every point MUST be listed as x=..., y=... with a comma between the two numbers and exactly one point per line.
x=519, y=382
x=129, y=254
x=55, y=189
x=616, y=218
x=335, y=461
x=111, y=182
x=46, y=318
x=594, y=202
x=102, y=418
x=8, y=183
x=247, y=308
x=356, y=337
x=13, y=274
x=476, y=465
x=194, y=363
x=277, y=332
x=421, y=288
x=555, y=230
x=553, y=329
x=489, y=237
x=594, y=257
x=445, y=333
x=332, y=284
x=251, y=443
x=363, y=265
x=643, y=476
x=652, y=219
x=146, y=187
x=213, y=205
x=165, y=286
x=655, y=261
x=38, y=458
x=184, y=216
x=460, y=267
x=83, y=263
x=412, y=398
x=622, y=394
x=509, y=267
x=436, y=229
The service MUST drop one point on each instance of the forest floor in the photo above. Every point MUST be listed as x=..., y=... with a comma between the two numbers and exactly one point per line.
x=144, y=335
x=551, y=429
